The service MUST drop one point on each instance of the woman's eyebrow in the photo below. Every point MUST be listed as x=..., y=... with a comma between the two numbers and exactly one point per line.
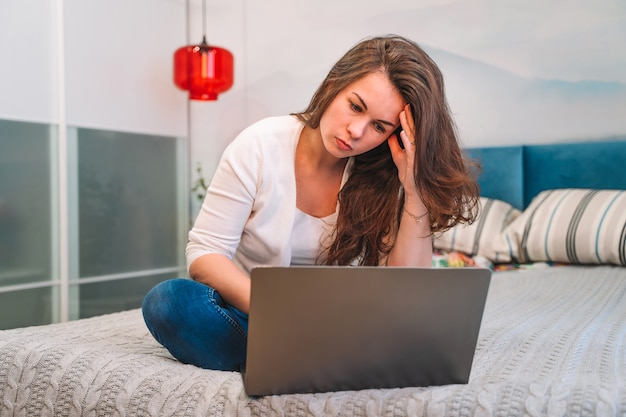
x=361, y=100
x=385, y=122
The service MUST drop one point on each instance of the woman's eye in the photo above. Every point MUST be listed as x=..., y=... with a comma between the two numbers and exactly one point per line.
x=380, y=128
x=355, y=107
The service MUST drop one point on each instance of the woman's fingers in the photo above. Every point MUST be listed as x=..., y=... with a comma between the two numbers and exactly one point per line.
x=406, y=120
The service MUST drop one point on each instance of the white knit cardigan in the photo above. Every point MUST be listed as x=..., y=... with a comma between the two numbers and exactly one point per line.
x=249, y=209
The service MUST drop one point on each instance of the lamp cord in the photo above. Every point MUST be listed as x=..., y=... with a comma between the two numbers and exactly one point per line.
x=204, y=20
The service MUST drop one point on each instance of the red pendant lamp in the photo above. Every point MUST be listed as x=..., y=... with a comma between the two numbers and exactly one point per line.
x=203, y=70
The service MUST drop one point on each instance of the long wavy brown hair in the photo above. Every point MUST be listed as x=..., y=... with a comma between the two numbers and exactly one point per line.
x=371, y=201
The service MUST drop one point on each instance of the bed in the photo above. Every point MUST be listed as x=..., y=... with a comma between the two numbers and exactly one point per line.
x=552, y=340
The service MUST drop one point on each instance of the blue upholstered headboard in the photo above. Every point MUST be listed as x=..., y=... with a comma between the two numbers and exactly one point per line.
x=517, y=173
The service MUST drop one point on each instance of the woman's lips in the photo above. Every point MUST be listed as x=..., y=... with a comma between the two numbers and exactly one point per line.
x=343, y=145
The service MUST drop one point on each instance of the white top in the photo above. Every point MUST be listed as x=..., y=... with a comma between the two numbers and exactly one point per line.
x=304, y=249
x=249, y=210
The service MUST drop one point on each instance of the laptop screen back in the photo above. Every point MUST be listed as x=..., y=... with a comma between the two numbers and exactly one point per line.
x=319, y=328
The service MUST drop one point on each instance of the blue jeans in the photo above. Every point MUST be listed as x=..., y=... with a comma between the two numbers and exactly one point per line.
x=192, y=321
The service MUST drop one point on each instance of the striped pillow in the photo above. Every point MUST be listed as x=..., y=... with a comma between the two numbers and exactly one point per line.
x=483, y=237
x=576, y=226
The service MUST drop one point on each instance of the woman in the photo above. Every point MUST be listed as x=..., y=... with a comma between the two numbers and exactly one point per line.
x=335, y=184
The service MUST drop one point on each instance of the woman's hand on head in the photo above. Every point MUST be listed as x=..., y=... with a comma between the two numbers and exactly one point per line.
x=405, y=159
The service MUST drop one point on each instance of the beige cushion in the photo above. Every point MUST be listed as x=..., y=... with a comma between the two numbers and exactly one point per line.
x=484, y=237
x=576, y=226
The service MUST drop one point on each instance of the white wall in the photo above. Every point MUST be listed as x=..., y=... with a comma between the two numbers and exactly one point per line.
x=119, y=65
x=516, y=71
x=116, y=61
x=28, y=72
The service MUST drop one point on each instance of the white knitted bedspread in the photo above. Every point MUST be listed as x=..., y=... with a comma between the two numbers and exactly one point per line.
x=553, y=342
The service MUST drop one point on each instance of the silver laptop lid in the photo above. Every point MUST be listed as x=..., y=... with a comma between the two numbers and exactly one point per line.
x=320, y=328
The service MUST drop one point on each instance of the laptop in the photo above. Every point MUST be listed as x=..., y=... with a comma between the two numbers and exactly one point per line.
x=334, y=328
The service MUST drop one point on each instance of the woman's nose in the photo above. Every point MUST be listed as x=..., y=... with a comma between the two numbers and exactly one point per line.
x=356, y=128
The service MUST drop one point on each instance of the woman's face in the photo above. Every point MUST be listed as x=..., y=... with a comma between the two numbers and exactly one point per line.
x=362, y=116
